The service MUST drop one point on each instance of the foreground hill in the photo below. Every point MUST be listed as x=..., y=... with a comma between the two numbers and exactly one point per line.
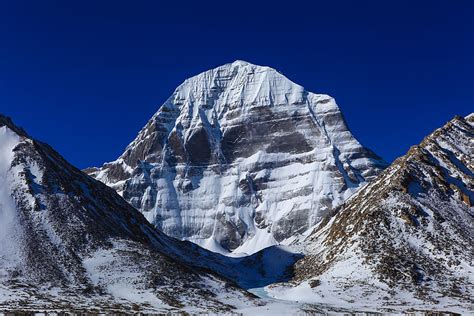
x=68, y=242
x=403, y=241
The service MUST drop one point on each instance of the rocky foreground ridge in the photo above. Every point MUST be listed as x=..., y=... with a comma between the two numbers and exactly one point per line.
x=407, y=237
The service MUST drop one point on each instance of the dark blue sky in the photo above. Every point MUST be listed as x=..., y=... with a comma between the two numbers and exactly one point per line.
x=85, y=77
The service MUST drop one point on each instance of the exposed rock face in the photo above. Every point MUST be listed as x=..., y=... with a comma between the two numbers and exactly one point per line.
x=408, y=231
x=240, y=158
x=69, y=241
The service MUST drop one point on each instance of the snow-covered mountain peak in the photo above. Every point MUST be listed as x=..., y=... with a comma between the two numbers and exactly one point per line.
x=238, y=83
x=240, y=62
x=240, y=158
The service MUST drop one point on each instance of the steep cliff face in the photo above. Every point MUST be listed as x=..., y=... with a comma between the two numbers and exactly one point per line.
x=407, y=237
x=240, y=158
x=68, y=241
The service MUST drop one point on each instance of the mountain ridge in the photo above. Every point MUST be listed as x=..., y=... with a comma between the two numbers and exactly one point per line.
x=403, y=239
x=69, y=240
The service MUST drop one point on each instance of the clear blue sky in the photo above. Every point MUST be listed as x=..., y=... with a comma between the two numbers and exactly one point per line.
x=85, y=76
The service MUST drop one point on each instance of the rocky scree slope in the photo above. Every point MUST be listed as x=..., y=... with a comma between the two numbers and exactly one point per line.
x=407, y=237
x=240, y=158
x=68, y=241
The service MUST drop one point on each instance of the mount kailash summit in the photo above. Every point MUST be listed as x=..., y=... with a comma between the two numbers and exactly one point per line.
x=240, y=158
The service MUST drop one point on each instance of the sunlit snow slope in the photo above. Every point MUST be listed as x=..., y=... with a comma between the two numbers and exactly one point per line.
x=240, y=158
